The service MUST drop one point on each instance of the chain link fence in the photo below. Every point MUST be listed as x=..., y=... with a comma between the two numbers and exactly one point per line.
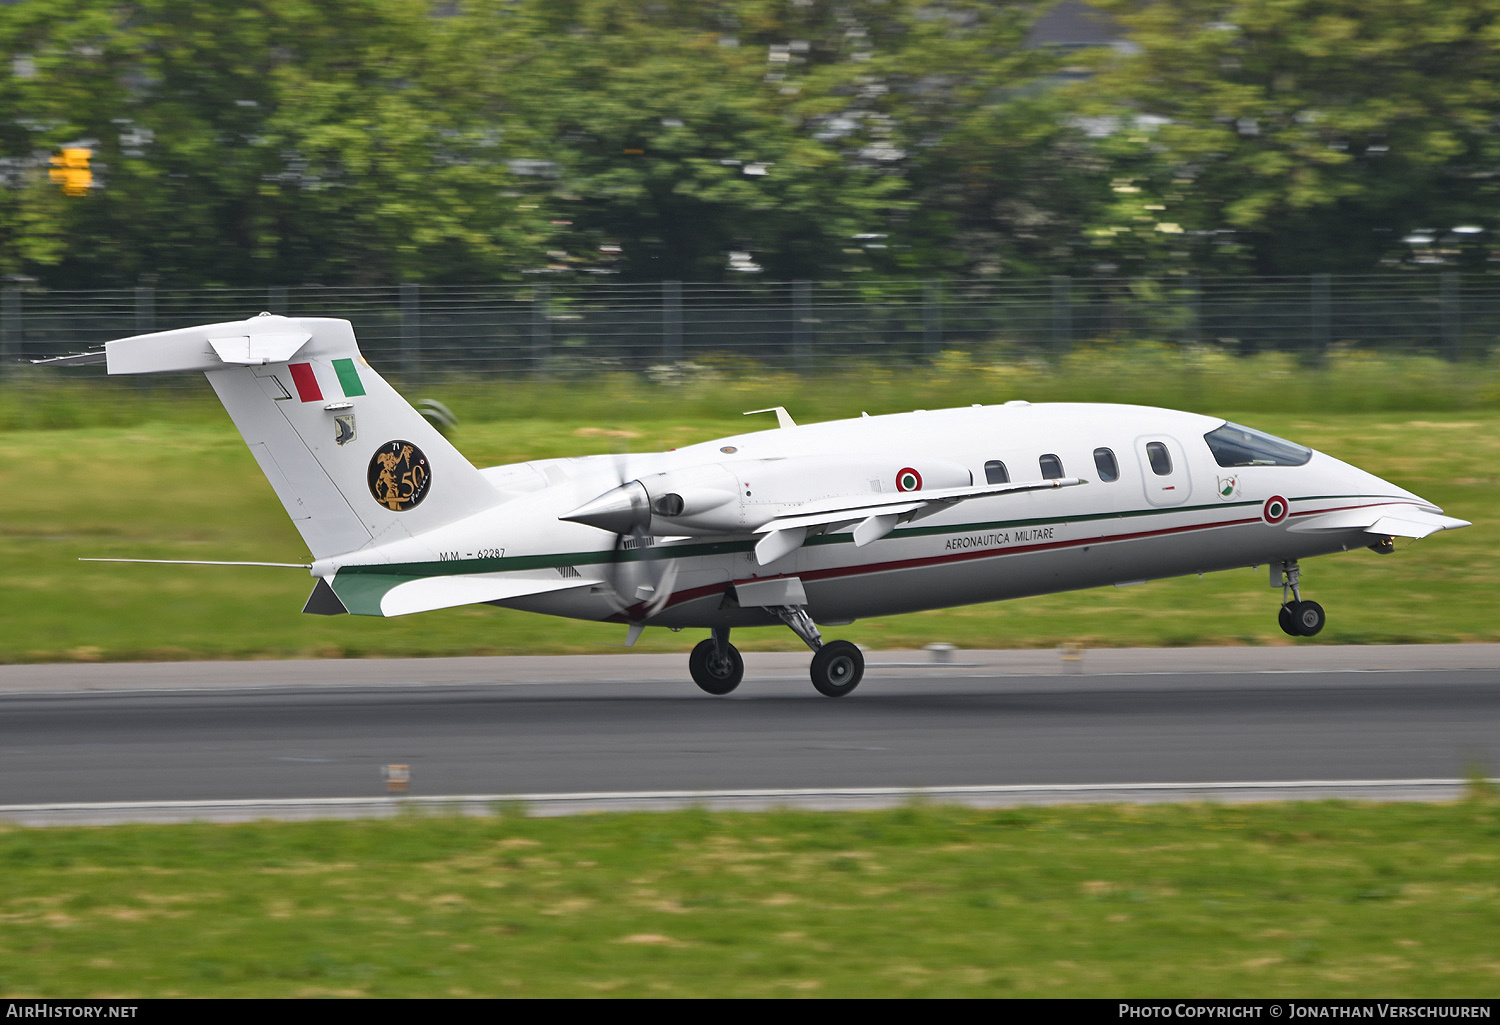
x=427, y=332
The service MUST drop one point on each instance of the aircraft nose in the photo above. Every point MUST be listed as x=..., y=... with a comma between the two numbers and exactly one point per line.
x=1364, y=484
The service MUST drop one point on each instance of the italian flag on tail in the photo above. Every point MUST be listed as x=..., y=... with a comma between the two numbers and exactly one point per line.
x=307, y=381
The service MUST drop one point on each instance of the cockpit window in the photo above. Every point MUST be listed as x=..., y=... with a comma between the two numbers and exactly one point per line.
x=1233, y=445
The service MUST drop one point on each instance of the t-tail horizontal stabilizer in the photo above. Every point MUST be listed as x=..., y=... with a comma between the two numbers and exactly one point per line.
x=78, y=359
x=354, y=465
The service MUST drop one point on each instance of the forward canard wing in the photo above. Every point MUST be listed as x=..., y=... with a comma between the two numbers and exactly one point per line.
x=1396, y=520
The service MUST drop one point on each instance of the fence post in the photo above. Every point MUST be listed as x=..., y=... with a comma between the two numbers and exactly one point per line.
x=10, y=329
x=932, y=316
x=411, y=334
x=1322, y=314
x=145, y=310
x=801, y=324
x=1192, y=332
x=541, y=326
x=276, y=300
x=1062, y=315
x=671, y=321
x=1453, y=322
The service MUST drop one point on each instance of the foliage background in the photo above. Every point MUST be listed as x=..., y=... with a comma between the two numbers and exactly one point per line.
x=290, y=142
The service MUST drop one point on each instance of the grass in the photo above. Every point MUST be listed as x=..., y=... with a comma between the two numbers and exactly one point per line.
x=181, y=490
x=1205, y=378
x=1328, y=899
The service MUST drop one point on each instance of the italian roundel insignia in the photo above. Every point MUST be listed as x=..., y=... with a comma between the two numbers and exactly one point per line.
x=1275, y=509
x=908, y=479
x=399, y=475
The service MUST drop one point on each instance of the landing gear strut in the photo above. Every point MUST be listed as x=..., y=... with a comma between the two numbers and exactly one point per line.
x=837, y=666
x=716, y=664
x=1297, y=617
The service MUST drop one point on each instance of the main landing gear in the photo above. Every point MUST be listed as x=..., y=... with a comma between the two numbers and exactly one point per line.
x=837, y=666
x=716, y=664
x=1297, y=617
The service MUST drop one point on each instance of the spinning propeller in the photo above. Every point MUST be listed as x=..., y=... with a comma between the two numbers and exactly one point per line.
x=625, y=510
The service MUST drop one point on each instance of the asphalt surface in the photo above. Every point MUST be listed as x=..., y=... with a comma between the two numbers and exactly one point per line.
x=294, y=734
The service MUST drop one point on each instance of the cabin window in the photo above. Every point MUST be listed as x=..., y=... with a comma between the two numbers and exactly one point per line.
x=1161, y=459
x=1051, y=467
x=995, y=472
x=1105, y=463
x=1233, y=445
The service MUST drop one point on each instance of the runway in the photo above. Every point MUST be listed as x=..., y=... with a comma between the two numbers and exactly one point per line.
x=296, y=732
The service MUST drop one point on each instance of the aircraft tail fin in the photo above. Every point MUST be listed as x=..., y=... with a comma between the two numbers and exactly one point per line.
x=352, y=462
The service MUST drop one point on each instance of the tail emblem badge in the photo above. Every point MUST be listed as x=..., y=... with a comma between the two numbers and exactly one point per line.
x=343, y=429
x=399, y=475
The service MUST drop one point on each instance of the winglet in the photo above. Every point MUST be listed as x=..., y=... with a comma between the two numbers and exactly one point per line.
x=783, y=418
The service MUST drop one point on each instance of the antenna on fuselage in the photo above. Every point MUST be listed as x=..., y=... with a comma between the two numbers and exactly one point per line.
x=783, y=418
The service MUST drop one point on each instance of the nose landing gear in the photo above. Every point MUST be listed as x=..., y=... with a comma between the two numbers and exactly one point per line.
x=1297, y=618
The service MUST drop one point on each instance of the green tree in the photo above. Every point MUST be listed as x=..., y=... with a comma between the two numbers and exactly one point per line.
x=1297, y=136
x=821, y=138
x=668, y=138
x=1002, y=176
x=275, y=141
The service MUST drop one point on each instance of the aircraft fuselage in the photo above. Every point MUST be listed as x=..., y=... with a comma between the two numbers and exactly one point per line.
x=1145, y=524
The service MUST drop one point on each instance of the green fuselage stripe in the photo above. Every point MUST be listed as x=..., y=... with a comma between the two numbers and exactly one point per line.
x=456, y=567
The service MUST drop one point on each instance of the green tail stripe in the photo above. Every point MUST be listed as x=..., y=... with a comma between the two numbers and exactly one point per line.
x=348, y=378
x=361, y=593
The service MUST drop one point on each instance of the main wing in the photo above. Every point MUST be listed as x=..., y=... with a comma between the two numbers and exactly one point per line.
x=873, y=517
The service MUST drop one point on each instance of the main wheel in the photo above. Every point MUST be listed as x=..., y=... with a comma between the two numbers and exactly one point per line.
x=1284, y=617
x=1308, y=617
x=837, y=668
x=714, y=674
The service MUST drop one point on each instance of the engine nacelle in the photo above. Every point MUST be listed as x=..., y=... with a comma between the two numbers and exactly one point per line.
x=739, y=497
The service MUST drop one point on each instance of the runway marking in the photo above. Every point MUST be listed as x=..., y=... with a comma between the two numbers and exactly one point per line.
x=829, y=799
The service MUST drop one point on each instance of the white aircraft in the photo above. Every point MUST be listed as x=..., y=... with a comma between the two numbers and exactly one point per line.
x=804, y=525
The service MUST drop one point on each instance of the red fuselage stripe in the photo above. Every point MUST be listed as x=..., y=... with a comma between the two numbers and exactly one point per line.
x=881, y=567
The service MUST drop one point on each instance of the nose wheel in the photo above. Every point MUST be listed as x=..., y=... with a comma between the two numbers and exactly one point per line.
x=1301, y=618
x=1297, y=618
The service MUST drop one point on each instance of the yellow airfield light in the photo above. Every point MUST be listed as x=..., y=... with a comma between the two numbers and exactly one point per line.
x=70, y=169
